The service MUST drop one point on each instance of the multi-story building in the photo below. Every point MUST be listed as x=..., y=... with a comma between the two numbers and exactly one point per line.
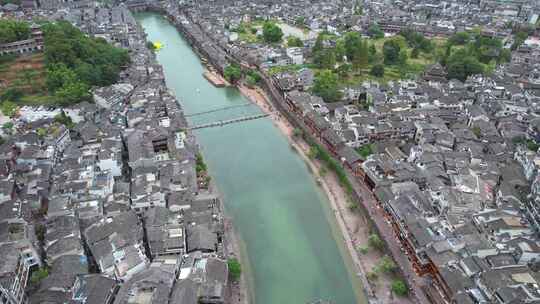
x=13, y=276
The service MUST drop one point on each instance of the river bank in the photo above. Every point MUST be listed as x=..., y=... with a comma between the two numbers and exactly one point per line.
x=353, y=224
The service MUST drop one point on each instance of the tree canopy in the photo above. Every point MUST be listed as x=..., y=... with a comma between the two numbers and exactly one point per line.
x=12, y=30
x=377, y=70
x=324, y=57
x=326, y=86
x=461, y=65
x=460, y=38
x=235, y=269
x=76, y=62
x=374, y=31
x=399, y=288
x=8, y=108
x=392, y=52
x=232, y=73
x=293, y=41
x=93, y=60
x=416, y=40
x=271, y=32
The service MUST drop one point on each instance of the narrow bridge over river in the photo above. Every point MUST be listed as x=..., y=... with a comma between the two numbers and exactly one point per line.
x=220, y=109
x=221, y=123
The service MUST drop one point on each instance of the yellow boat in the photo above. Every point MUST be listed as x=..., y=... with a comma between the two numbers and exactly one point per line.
x=158, y=45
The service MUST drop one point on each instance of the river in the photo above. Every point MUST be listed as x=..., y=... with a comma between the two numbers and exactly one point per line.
x=294, y=252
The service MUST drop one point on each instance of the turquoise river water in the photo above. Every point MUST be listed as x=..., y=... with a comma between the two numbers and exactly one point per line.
x=293, y=252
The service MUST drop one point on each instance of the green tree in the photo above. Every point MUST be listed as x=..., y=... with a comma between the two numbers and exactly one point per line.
x=232, y=73
x=8, y=108
x=7, y=126
x=300, y=21
x=372, y=276
x=200, y=165
x=253, y=78
x=39, y=274
x=361, y=56
x=391, y=52
x=373, y=55
x=271, y=32
x=505, y=56
x=519, y=38
x=326, y=86
x=12, y=30
x=375, y=241
x=374, y=31
x=75, y=60
x=340, y=50
x=325, y=59
x=344, y=70
x=319, y=44
x=358, y=9
x=399, y=288
x=477, y=131
x=460, y=65
x=365, y=150
x=363, y=249
x=41, y=132
x=58, y=75
x=64, y=119
x=459, y=38
x=414, y=53
x=402, y=58
x=235, y=269
x=386, y=265
x=293, y=41
x=12, y=93
x=377, y=70
x=416, y=40
x=72, y=93
x=352, y=43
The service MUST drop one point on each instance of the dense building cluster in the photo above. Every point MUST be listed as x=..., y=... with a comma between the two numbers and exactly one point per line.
x=106, y=202
x=117, y=201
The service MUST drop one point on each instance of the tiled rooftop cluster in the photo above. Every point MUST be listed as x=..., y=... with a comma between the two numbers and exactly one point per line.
x=113, y=208
x=455, y=169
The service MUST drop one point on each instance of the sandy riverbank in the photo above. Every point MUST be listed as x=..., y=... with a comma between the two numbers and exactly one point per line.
x=353, y=225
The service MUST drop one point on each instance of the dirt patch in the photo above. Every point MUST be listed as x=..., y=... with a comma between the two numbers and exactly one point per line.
x=26, y=73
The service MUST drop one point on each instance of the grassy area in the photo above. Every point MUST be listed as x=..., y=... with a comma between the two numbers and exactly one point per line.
x=247, y=31
x=413, y=67
x=249, y=37
x=290, y=68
